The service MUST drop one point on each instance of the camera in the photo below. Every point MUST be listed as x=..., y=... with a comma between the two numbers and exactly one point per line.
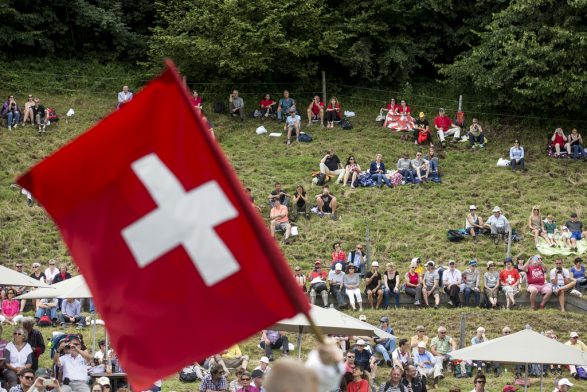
x=48, y=382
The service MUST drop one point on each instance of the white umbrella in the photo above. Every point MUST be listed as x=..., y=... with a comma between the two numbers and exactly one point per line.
x=10, y=277
x=523, y=347
x=330, y=321
x=75, y=287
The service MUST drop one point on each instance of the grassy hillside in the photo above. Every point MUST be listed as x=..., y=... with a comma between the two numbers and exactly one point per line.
x=403, y=222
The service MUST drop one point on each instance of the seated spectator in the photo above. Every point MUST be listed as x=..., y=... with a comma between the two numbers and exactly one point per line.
x=351, y=171
x=316, y=111
x=561, y=281
x=563, y=385
x=331, y=166
x=422, y=132
x=401, y=356
x=445, y=127
x=10, y=309
x=338, y=256
x=257, y=376
x=373, y=286
x=431, y=285
x=267, y=106
x=470, y=283
x=264, y=366
x=476, y=137
x=236, y=105
x=559, y=141
x=535, y=272
x=285, y=104
x=491, y=284
x=359, y=259
x=413, y=380
x=41, y=115
x=391, y=285
x=349, y=362
x=359, y=382
x=404, y=108
x=394, y=383
x=392, y=109
x=279, y=193
x=332, y=112
x=214, y=381
x=575, y=144
x=34, y=339
x=71, y=313
x=293, y=123
x=246, y=382
x=473, y=222
x=231, y=358
x=62, y=275
x=377, y=171
x=51, y=271
x=441, y=346
x=351, y=282
x=196, y=100
x=551, y=231
x=300, y=278
x=11, y=112
x=579, y=345
x=318, y=278
x=517, y=157
x=47, y=307
x=28, y=111
x=451, y=281
x=575, y=227
x=300, y=202
x=237, y=383
x=419, y=337
x=279, y=220
x=536, y=226
x=566, y=237
x=18, y=355
x=363, y=357
x=432, y=159
x=578, y=272
x=413, y=284
x=336, y=279
x=498, y=224
x=509, y=280
x=272, y=340
x=425, y=361
x=124, y=97
x=326, y=203
x=385, y=346
x=25, y=381
x=420, y=166
x=405, y=168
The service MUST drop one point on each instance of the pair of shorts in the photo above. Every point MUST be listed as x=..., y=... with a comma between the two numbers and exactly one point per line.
x=282, y=226
x=540, y=288
x=433, y=293
x=576, y=235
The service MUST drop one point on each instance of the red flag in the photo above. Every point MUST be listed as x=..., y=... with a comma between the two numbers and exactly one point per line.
x=179, y=263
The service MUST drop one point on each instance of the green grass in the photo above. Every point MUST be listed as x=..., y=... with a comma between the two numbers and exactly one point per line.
x=403, y=222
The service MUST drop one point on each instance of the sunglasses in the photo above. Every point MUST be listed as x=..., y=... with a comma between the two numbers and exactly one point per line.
x=10, y=292
x=245, y=379
x=350, y=356
x=19, y=266
x=351, y=159
x=442, y=333
x=28, y=377
x=51, y=263
x=18, y=334
x=507, y=332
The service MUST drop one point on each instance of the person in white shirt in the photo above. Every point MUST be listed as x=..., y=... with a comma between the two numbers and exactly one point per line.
x=401, y=356
x=498, y=224
x=451, y=280
x=51, y=272
x=562, y=282
x=124, y=97
x=74, y=363
x=293, y=122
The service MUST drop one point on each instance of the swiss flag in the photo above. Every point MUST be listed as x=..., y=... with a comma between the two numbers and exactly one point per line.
x=179, y=263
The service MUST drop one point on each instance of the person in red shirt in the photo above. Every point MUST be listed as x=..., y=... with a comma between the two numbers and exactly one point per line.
x=316, y=111
x=196, y=100
x=359, y=383
x=537, y=281
x=559, y=140
x=267, y=106
x=338, y=256
x=332, y=112
x=404, y=108
x=509, y=279
x=318, y=278
x=445, y=127
x=392, y=110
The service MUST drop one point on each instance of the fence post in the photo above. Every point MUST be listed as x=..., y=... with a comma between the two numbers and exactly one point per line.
x=368, y=246
x=463, y=330
x=324, y=87
x=460, y=103
x=510, y=243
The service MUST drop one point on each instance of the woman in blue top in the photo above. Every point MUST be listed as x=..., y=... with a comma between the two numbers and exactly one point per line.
x=377, y=171
x=517, y=156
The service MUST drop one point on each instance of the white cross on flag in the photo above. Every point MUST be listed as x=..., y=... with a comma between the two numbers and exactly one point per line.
x=164, y=235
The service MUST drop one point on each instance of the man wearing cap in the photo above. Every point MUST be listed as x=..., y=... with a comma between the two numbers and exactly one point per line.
x=441, y=346
x=104, y=382
x=424, y=360
x=336, y=279
x=373, y=285
x=215, y=381
x=280, y=220
x=385, y=346
x=74, y=363
x=422, y=132
x=470, y=283
x=451, y=280
x=564, y=385
x=264, y=366
x=535, y=274
x=498, y=224
x=271, y=339
x=509, y=280
x=318, y=278
x=293, y=122
x=561, y=281
x=363, y=357
x=579, y=345
x=473, y=223
x=430, y=283
x=445, y=127
x=575, y=226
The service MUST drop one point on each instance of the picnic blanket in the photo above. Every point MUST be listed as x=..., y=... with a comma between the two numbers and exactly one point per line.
x=547, y=250
x=399, y=122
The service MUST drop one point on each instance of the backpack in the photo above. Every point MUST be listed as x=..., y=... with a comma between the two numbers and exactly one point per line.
x=455, y=236
x=52, y=115
x=44, y=321
x=461, y=371
x=219, y=107
x=346, y=124
x=305, y=137
x=190, y=374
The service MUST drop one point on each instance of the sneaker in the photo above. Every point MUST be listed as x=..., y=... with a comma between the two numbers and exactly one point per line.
x=417, y=303
x=436, y=307
x=288, y=142
x=10, y=127
x=15, y=125
x=450, y=303
x=333, y=216
x=29, y=201
x=44, y=128
x=307, y=216
x=576, y=293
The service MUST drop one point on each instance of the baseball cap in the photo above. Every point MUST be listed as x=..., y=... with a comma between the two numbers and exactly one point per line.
x=421, y=345
x=338, y=267
x=574, y=335
x=422, y=115
x=508, y=259
x=430, y=262
x=103, y=381
x=451, y=262
x=264, y=360
x=361, y=342
x=363, y=317
x=257, y=373
x=490, y=263
x=564, y=381
x=472, y=262
x=43, y=372
x=472, y=207
x=573, y=215
x=415, y=259
x=413, y=264
x=496, y=209
x=292, y=110
x=510, y=388
x=374, y=264
x=317, y=262
x=384, y=320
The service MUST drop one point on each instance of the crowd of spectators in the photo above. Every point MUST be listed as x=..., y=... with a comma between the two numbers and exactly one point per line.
x=32, y=112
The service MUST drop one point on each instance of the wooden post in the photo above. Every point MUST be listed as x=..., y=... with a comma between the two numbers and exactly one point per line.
x=510, y=243
x=324, y=87
x=460, y=103
x=368, y=248
x=463, y=330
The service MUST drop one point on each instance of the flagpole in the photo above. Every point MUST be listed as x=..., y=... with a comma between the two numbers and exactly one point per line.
x=315, y=329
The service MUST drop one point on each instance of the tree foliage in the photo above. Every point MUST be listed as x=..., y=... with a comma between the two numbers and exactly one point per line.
x=534, y=54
